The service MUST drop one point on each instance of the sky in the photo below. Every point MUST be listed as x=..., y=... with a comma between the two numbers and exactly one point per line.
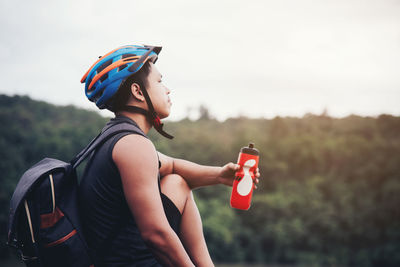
x=255, y=58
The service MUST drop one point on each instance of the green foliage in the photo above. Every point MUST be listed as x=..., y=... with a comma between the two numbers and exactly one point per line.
x=329, y=193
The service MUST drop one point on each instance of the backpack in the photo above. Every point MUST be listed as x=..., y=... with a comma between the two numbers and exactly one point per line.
x=44, y=223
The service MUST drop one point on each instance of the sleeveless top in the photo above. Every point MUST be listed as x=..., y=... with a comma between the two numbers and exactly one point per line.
x=109, y=227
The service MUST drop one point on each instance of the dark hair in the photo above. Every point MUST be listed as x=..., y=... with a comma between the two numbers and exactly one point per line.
x=120, y=98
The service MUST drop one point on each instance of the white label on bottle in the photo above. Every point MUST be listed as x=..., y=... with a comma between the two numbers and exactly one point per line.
x=245, y=185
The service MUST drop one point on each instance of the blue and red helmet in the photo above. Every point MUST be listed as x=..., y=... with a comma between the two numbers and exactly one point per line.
x=105, y=76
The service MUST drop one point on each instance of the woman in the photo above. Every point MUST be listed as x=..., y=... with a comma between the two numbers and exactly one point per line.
x=137, y=204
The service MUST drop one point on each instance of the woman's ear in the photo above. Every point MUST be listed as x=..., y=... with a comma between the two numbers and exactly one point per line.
x=137, y=92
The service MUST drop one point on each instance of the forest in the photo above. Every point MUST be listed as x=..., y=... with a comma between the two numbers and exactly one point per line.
x=329, y=192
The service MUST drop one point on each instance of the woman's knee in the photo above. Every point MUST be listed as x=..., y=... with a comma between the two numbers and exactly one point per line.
x=176, y=189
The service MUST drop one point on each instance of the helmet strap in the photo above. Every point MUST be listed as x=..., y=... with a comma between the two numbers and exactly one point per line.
x=152, y=116
x=135, y=109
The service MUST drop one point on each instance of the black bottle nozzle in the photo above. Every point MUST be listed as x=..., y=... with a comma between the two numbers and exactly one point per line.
x=250, y=150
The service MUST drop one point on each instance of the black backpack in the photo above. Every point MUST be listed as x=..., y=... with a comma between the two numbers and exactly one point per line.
x=44, y=221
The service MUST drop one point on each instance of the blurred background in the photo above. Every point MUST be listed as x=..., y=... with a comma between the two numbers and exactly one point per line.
x=314, y=84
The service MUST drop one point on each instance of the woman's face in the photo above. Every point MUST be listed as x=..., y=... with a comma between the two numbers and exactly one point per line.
x=158, y=92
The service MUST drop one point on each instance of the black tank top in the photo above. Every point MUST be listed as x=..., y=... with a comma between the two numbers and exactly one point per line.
x=109, y=227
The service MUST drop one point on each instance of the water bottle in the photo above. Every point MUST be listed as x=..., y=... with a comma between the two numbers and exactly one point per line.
x=243, y=184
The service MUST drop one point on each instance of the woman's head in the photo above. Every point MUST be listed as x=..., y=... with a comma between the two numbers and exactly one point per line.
x=106, y=75
x=126, y=79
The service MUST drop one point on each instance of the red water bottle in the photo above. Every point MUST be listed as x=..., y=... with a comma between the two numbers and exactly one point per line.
x=243, y=184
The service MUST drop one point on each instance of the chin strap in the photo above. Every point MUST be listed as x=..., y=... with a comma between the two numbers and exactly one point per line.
x=152, y=116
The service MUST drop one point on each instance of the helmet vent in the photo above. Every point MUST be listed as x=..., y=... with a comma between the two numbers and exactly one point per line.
x=103, y=77
x=129, y=55
x=104, y=65
x=122, y=67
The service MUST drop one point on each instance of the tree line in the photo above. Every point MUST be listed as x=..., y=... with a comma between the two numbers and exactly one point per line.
x=329, y=193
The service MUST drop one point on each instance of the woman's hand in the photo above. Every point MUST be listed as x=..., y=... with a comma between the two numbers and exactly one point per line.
x=227, y=174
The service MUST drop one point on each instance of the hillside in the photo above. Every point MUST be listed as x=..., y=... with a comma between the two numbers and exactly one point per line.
x=329, y=193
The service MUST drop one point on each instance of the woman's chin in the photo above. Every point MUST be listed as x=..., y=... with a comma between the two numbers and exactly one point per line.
x=164, y=114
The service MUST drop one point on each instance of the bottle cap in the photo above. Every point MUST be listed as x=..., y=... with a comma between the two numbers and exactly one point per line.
x=250, y=150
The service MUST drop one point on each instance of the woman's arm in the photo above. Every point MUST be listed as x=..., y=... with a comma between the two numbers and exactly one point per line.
x=197, y=175
x=139, y=172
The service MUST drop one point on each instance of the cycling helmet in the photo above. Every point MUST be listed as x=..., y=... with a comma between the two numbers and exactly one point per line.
x=107, y=74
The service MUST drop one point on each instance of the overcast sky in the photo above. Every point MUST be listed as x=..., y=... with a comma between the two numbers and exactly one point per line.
x=252, y=58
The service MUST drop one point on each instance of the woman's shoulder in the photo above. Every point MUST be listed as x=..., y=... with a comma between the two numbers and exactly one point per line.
x=136, y=150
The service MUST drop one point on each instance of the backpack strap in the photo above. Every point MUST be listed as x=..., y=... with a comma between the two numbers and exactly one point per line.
x=110, y=130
